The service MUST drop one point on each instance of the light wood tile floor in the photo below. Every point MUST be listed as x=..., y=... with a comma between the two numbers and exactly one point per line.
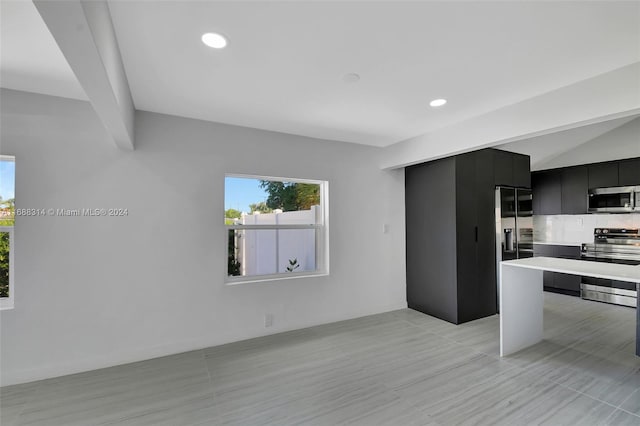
x=397, y=368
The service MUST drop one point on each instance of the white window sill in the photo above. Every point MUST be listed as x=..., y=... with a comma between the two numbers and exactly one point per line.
x=6, y=306
x=275, y=277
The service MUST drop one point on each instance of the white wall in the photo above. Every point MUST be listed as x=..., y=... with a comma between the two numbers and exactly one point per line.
x=572, y=147
x=94, y=291
x=621, y=142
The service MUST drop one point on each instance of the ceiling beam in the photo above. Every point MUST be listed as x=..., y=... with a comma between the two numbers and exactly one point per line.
x=84, y=32
x=608, y=96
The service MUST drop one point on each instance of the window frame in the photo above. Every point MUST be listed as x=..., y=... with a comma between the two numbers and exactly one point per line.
x=321, y=236
x=8, y=302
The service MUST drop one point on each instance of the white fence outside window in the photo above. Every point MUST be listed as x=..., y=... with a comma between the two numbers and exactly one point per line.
x=293, y=239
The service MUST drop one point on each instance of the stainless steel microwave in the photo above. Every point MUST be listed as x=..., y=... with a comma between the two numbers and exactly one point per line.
x=619, y=199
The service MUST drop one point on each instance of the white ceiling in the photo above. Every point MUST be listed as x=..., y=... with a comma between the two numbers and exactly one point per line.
x=30, y=59
x=284, y=65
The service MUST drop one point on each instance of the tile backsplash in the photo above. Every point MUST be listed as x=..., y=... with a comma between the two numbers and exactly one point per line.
x=578, y=228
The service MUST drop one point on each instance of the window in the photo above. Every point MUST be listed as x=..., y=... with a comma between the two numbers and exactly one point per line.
x=276, y=228
x=7, y=214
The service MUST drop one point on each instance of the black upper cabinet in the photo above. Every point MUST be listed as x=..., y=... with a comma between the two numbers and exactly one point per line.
x=574, y=183
x=511, y=169
x=565, y=191
x=521, y=171
x=503, y=168
x=602, y=175
x=629, y=172
x=547, y=192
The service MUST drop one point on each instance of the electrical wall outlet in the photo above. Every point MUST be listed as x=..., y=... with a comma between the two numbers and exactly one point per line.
x=268, y=320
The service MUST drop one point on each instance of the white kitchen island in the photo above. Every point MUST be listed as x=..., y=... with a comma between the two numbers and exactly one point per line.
x=522, y=297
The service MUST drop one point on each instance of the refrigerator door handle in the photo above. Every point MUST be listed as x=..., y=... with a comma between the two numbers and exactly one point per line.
x=476, y=231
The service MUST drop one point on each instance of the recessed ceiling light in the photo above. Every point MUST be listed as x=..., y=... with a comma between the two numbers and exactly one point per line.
x=352, y=77
x=215, y=40
x=437, y=102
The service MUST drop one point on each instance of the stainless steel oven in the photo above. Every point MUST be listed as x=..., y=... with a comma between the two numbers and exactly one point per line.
x=620, y=199
x=611, y=245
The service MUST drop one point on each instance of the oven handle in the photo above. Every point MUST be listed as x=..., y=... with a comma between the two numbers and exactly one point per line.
x=617, y=256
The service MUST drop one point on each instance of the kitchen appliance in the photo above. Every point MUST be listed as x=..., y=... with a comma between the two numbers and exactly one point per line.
x=514, y=226
x=619, y=199
x=611, y=245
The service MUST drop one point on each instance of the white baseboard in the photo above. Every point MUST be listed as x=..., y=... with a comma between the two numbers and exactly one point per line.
x=144, y=353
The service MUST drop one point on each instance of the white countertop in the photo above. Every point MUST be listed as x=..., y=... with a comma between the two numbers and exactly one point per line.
x=609, y=271
x=558, y=243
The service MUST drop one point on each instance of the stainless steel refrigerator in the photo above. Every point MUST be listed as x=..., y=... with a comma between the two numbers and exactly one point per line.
x=514, y=226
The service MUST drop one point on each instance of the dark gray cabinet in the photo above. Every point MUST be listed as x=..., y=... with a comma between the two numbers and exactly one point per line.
x=567, y=284
x=565, y=190
x=503, y=168
x=511, y=169
x=547, y=192
x=475, y=236
x=548, y=280
x=560, y=191
x=602, y=175
x=430, y=203
x=574, y=187
x=485, y=236
x=450, y=235
x=546, y=250
x=558, y=282
x=521, y=171
x=629, y=172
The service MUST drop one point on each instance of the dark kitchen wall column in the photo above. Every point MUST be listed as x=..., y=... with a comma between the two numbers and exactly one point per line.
x=450, y=220
x=430, y=203
x=469, y=287
x=486, y=242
